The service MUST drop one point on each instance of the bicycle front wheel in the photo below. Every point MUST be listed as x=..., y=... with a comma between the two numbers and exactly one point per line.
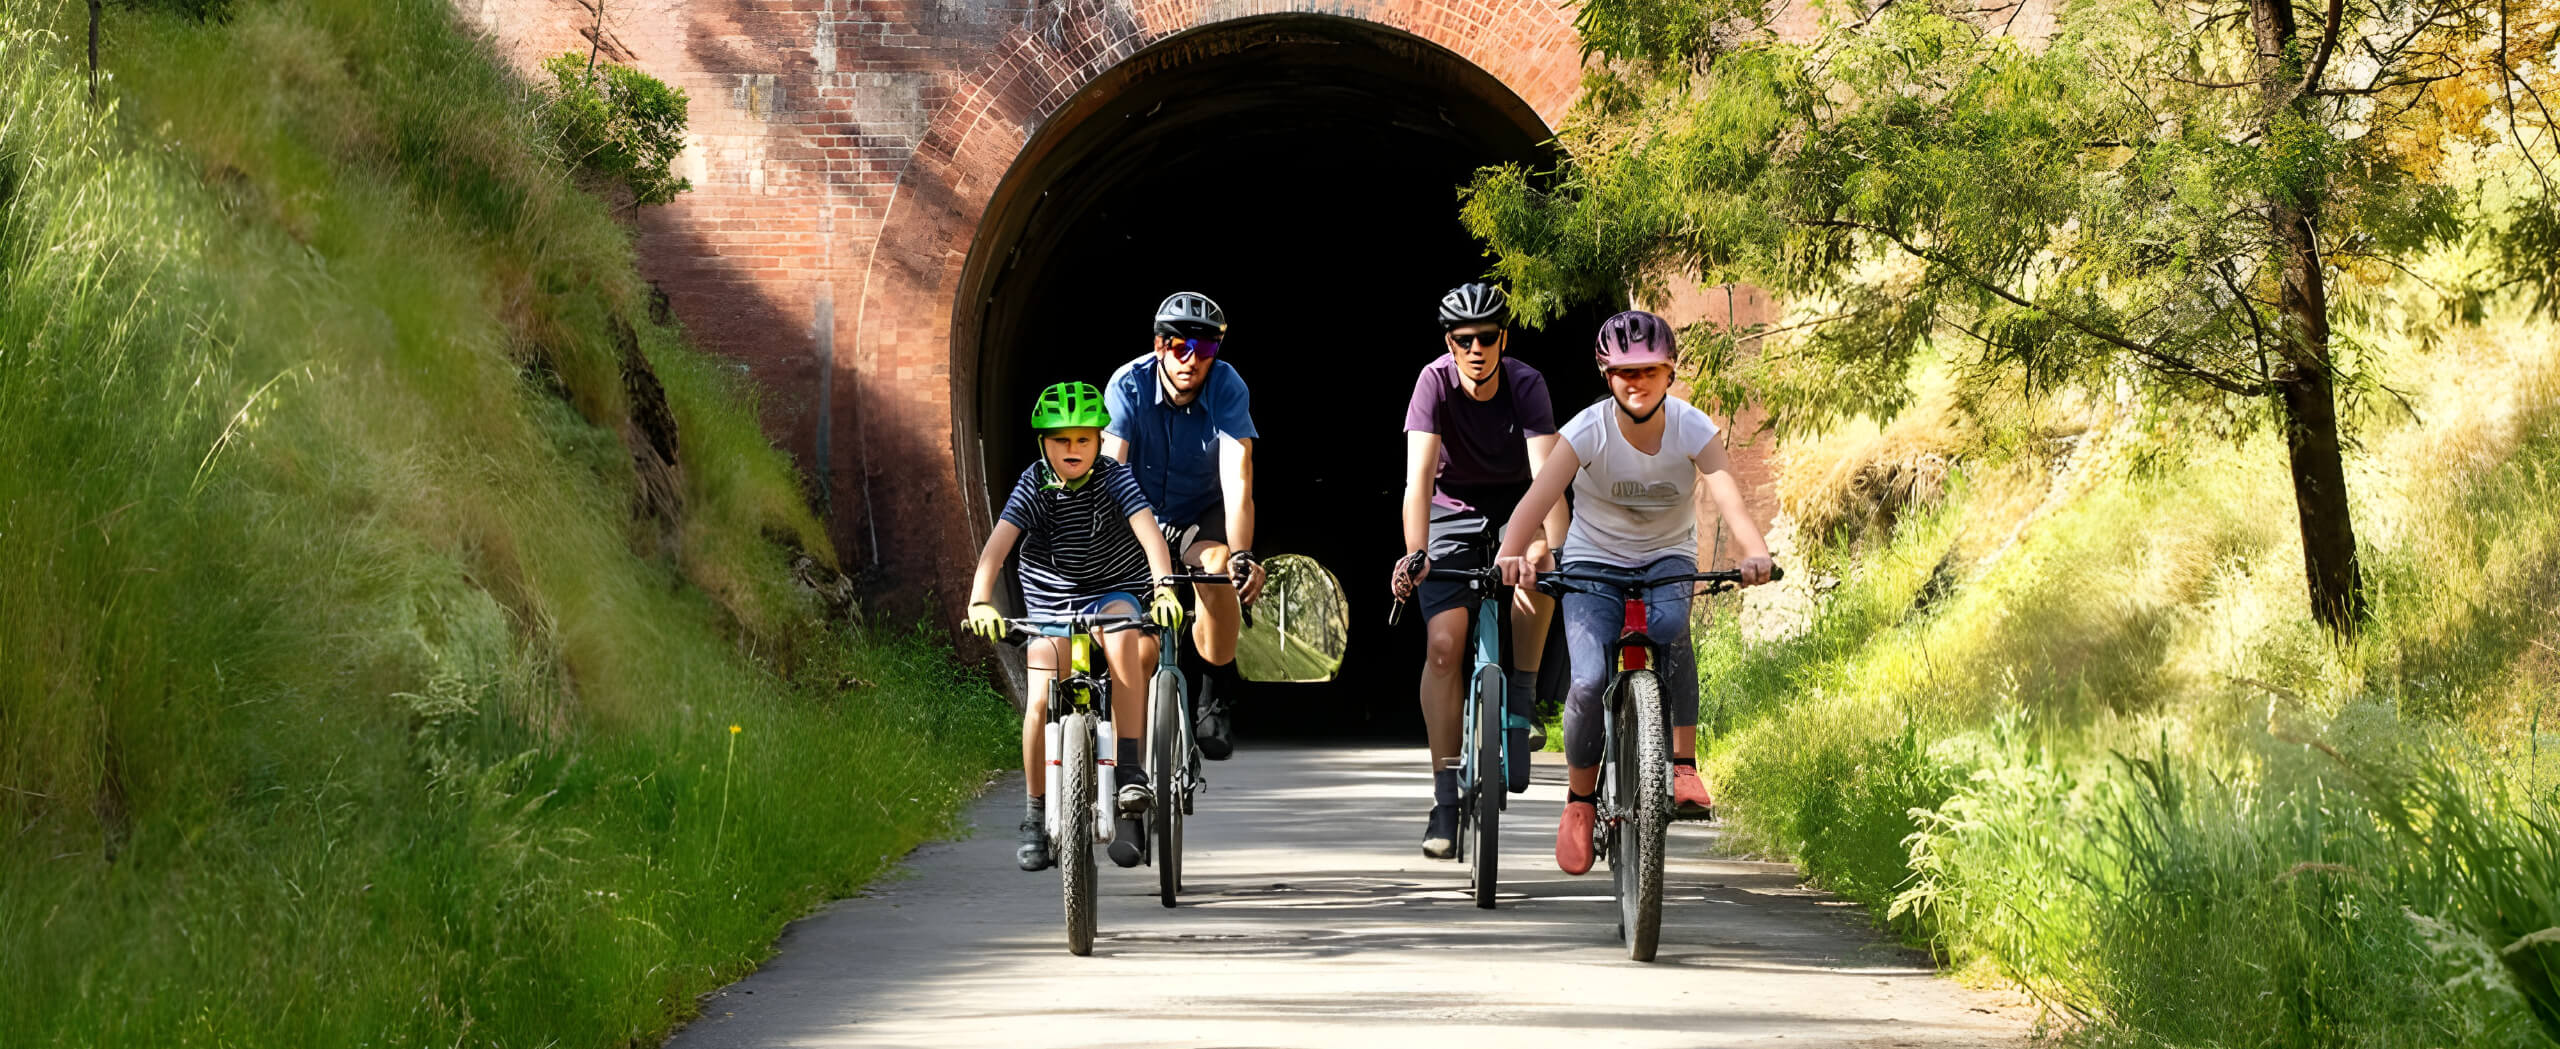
x=1643, y=803
x=1075, y=830
x=1486, y=864
x=1164, y=769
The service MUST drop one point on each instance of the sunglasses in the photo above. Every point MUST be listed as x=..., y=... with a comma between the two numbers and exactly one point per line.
x=1468, y=340
x=1194, y=349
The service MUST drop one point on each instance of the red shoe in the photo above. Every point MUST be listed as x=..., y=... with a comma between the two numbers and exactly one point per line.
x=1573, y=837
x=1689, y=795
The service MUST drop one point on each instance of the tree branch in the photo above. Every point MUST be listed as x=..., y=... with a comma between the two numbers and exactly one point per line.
x=2147, y=352
x=2328, y=42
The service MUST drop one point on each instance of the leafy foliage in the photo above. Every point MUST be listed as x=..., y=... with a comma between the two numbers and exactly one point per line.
x=618, y=123
x=2185, y=198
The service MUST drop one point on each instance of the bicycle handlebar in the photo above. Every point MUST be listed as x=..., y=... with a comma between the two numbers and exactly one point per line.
x=1199, y=579
x=1593, y=582
x=1027, y=628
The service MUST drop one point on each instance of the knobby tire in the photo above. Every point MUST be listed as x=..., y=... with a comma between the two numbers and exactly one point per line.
x=1075, y=830
x=1644, y=802
x=1164, y=771
x=1485, y=865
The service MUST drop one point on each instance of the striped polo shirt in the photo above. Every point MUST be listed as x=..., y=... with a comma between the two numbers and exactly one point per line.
x=1077, y=544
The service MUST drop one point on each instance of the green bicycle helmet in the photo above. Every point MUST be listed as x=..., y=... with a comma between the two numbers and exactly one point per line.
x=1069, y=404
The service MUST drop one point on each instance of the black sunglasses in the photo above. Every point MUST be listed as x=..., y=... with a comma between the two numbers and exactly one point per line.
x=1467, y=340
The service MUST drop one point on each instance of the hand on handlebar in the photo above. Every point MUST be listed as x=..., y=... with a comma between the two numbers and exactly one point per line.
x=985, y=621
x=1166, y=609
x=1518, y=571
x=1247, y=572
x=1757, y=570
x=1409, y=568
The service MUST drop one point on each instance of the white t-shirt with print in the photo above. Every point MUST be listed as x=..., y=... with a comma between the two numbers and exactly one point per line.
x=1631, y=509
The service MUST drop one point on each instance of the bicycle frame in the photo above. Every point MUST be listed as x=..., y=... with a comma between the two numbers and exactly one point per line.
x=1081, y=689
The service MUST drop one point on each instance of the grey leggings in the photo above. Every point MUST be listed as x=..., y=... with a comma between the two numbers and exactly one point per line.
x=1592, y=622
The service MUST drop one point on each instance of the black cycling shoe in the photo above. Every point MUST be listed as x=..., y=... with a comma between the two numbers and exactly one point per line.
x=1130, y=844
x=1210, y=728
x=1441, y=841
x=1033, y=854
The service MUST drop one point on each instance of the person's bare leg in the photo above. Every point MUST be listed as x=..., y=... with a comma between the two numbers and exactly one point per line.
x=1133, y=660
x=1531, y=615
x=1220, y=614
x=1443, y=682
x=1044, y=659
x=1684, y=742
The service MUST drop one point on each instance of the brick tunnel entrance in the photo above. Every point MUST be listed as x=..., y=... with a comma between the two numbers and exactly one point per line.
x=1302, y=170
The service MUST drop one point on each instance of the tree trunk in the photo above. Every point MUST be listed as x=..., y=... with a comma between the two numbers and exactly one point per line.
x=2303, y=383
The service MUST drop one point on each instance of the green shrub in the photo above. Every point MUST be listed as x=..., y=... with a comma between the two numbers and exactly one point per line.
x=617, y=123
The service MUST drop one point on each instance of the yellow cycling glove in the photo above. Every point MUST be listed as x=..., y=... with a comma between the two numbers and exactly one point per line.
x=1167, y=609
x=985, y=621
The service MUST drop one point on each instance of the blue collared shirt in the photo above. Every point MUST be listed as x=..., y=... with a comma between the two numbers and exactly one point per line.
x=1174, y=447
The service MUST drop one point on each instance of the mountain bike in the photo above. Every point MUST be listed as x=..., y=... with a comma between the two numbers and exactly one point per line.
x=1635, y=810
x=1483, y=760
x=1082, y=750
x=1173, y=756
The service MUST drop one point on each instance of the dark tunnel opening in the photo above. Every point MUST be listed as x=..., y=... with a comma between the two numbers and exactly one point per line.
x=1302, y=171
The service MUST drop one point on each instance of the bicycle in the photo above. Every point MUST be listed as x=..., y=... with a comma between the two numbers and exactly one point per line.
x=1081, y=810
x=1486, y=719
x=1173, y=755
x=1635, y=810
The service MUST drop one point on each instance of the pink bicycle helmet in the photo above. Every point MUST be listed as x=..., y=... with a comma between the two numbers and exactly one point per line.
x=1634, y=339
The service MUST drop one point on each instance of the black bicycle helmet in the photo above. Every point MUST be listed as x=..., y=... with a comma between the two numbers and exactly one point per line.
x=1475, y=302
x=1191, y=315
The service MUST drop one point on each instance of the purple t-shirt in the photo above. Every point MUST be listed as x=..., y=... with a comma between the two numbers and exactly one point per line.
x=1484, y=445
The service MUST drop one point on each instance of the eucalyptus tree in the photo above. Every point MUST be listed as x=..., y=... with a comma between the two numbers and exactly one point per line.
x=2187, y=194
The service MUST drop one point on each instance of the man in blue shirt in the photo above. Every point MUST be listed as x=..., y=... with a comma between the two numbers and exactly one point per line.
x=1184, y=420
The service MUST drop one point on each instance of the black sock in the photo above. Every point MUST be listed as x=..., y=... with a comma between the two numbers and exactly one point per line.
x=1133, y=763
x=1444, y=787
x=1588, y=799
x=1523, y=694
x=1691, y=762
x=1035, y=807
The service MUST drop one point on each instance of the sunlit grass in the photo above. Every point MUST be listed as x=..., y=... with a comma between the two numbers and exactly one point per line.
x=2074, y=725
x=344, y=697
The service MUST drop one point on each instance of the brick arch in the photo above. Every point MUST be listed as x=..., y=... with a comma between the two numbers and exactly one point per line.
x=948, y=186
x=846, y=152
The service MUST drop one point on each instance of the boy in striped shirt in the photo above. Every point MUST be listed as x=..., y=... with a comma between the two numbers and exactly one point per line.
x=1090, y=545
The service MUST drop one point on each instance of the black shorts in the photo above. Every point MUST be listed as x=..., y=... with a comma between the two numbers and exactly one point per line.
x=1460, y=538
x=1210, y=528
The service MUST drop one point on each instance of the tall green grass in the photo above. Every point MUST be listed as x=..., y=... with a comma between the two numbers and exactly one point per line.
x=2075, y=728
x=345, y=695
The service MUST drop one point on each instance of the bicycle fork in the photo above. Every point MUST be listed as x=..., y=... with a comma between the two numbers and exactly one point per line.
x=1106, y=748
x=1635, y=652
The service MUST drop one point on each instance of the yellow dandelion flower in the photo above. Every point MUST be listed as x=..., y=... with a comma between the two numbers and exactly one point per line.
x=734, y=730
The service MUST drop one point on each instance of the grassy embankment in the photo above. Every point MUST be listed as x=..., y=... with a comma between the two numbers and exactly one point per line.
x=2072, y=723
x=345, y=697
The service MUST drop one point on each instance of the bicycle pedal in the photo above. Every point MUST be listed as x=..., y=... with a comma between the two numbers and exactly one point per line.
x=1694, y=815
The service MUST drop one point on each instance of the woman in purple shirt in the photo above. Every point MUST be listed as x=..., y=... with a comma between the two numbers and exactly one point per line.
x=1479, y=427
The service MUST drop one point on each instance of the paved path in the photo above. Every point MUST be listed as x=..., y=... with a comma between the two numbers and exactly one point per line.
x=1312, y=920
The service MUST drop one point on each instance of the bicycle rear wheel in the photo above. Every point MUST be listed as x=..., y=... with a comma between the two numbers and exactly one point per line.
x=1164, y=769
x=1643, y=802
x=1075, y=830
x=1486, y=865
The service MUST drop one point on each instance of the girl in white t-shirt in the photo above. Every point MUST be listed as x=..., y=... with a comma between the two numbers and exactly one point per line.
x=1634, y=461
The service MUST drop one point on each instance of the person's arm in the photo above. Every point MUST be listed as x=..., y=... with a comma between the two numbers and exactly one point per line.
x=1151, y=536
x=1235, y=483
x=1540, y=448
x=1421, y=469
x=1713, y=470
x=1115, y=442
x=982, y=587
x=1532, y=513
